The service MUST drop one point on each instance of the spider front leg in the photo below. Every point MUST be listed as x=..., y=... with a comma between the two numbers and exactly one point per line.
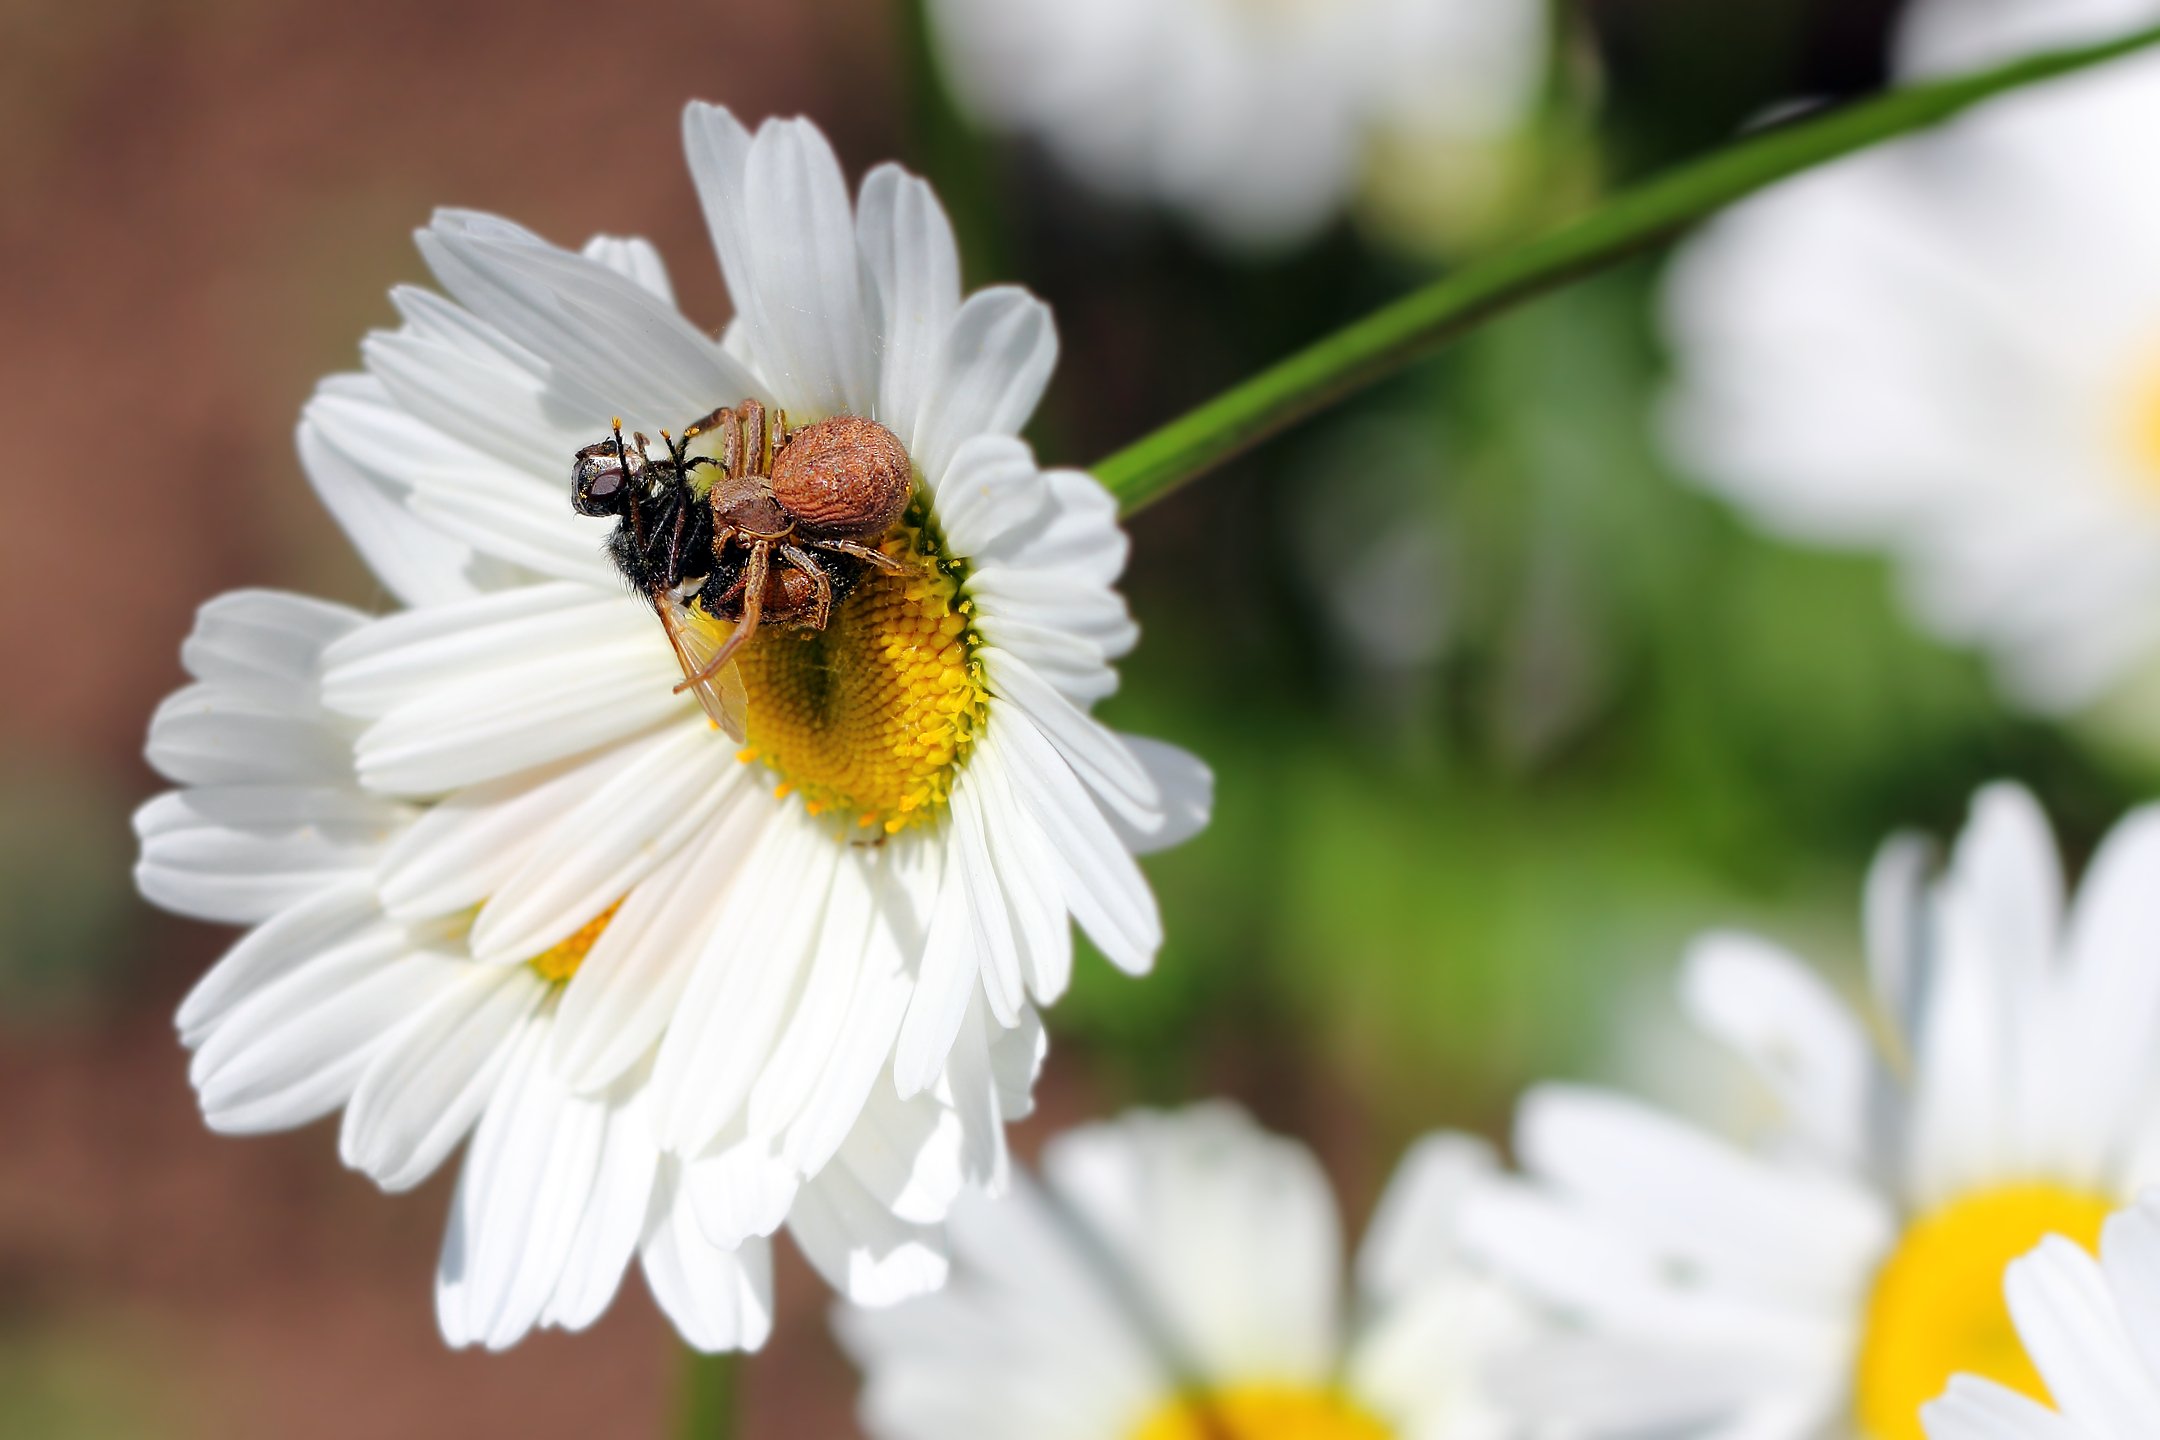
x=861, y=552
x=821, y=583
x=755, y=574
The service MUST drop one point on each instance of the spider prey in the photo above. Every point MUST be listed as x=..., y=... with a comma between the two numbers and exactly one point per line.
x=788, y=527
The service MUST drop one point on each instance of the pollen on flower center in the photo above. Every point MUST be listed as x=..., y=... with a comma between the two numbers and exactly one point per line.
x=871, y=717
x=1938, y=1307
x=561, y=960
x=1265, y=1412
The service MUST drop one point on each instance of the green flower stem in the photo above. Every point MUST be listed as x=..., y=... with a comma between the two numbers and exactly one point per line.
x=1412, y=327
x=709, y=1407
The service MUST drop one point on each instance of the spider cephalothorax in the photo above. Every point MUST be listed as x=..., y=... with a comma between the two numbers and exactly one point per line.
x=787, y=502
x=788, y=526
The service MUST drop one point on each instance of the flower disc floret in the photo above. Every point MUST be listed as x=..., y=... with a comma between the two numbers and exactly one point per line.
x=870, y=718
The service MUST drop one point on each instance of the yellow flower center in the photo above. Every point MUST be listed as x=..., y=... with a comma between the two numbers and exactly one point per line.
x=1938, y=1307
x=871, y=717
x=1264, y=1412
x=560, y=961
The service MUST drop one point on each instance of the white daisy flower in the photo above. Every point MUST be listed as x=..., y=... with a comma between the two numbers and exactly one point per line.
x=1949, y=348
x=2092, y=1330
x=813, y=956
x=1178, y=1277
x=330, y=1002
x=1259, y=120
x=1830, y=1279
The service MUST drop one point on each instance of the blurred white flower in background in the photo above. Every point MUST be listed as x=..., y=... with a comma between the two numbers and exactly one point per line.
x=503, y=872
x=1830, y=1279
x=1949, y=348
x=1258, y=120
x=2092, y=1329
x=1178, y=1277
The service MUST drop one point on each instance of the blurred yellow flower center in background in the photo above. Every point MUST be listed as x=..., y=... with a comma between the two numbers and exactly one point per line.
x=560, y=961
x=1265, y=1412
x=870, y=717
x=2145, y=434
x=1938, y=1307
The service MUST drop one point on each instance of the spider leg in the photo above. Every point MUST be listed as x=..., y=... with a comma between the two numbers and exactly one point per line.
x=721, y=537
x=757, y=459
x=754, y=576
x=802, y=560
x=861, y=552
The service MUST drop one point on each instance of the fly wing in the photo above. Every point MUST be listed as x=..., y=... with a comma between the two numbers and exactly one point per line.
x=697, y=638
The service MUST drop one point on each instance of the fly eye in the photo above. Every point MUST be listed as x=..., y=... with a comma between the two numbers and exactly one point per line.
x=598, y=488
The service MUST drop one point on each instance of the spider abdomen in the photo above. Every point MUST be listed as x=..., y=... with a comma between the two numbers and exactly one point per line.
x=845, y=476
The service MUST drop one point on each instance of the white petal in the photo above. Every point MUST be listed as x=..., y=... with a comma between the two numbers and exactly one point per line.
x=1185, y=795
x=621, y=998
x=519, y=716
x=1413, y=1235
x=340, y=915
x=804, y=301
x=865, y=1039
x=2110, y=1025
x=2059, y=1300
x=607, y=335
x=970, y=1086
x=634, y=258
x=243, y=853
x=1103, y=887
x=422, y=1092
x=1027, y=879
x=949, y=971
x=718, y=1299
x=294, y=1050
x=1963, y=1103
x=415, y=562
x=464, y=379
x=520, y=1202
x=2005, y=864
x=991, y=369
x=1896, y=940
x=805, y=1047
x=1188, y=1201
x=863, y=1252
x=464, y=848
x=991, y=489
x=223, y=734
x=1776, y=1013
x=1016, y=1061
x=265, y=637
x=504, y=509
x=740, y=1188
x=914, y=269
x=2130, y=1255
x=1110, y=771
x=1703, y=1201
x=404, y=656
x=592, y=855
x=1973, y=1409
x=745, y=981
x=614, y=1216
x=718, y=149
